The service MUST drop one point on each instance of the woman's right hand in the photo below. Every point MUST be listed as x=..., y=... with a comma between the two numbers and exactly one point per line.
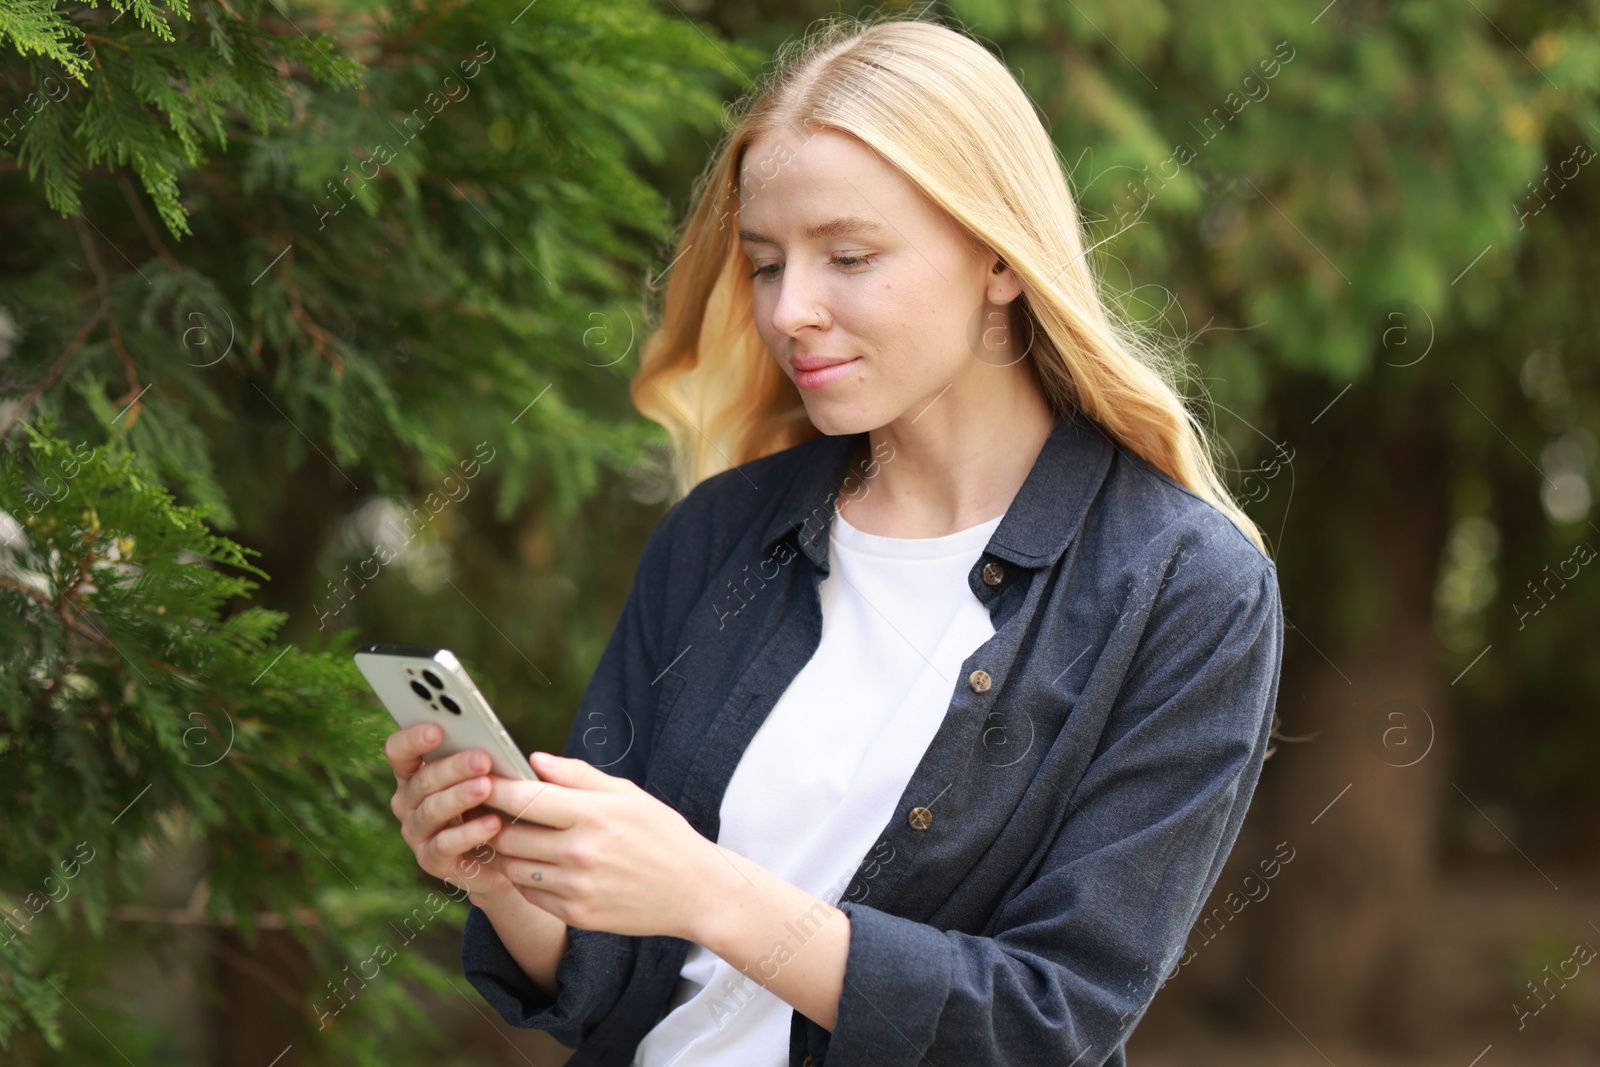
x=431, y=799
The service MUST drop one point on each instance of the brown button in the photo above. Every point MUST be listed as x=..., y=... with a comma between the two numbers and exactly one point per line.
x=979, y=681
x=806, y=1062
x=993, y=573
x=919, y=818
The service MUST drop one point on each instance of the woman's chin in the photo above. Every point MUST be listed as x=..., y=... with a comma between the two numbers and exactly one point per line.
x=837, y=420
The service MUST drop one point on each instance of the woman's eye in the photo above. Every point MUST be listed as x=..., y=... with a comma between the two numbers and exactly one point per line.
x=770, y=270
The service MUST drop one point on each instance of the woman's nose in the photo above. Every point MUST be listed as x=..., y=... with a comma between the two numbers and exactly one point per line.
x=798, y=302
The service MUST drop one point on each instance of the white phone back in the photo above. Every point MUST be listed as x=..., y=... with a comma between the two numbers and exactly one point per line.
x=399, y=674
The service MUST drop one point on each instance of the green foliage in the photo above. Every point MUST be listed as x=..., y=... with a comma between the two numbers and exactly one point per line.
x=261, y=265
x=410, y=225
x=168, y=723
x=149, y=107
x=34, y=27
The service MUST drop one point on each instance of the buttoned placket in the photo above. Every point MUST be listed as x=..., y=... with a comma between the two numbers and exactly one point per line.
x=953, y=741
x=929, y=790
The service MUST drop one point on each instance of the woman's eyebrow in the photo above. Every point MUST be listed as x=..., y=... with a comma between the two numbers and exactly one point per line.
x=832, y=228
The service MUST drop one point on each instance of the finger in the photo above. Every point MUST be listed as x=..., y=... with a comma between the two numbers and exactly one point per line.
x=531, y=874
x=479, y=812
x=404, y=748
x=456, y=841
x=437, y=809
x=574, y=773
x=440, y=774
x=528, y=841
x=542, y=802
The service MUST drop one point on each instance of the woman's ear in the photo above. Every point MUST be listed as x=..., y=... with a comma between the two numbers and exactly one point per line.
x=1004, y=285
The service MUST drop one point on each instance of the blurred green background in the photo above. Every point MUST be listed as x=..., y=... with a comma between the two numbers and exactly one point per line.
x=316, y=324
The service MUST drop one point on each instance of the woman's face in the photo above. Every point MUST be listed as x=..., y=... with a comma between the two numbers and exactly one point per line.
x=855, y=267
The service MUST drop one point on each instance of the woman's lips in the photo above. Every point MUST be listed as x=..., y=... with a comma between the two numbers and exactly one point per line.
x=816, y=379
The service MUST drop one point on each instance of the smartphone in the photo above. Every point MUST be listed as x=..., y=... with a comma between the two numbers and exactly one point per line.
x=420, y=684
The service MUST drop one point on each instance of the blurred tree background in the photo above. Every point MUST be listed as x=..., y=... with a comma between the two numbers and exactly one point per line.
x=275, y=278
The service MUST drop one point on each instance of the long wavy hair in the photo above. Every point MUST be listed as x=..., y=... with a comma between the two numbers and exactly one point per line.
x=935, y=104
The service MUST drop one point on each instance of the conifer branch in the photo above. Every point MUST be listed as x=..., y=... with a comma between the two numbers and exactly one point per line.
x=150, y=233
x=321, y=339
x=102, y=315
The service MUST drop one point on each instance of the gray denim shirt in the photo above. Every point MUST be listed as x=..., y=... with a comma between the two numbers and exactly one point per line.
x=1056, y=842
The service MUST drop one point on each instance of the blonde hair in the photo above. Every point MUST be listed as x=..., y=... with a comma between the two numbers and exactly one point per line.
x=936, y=105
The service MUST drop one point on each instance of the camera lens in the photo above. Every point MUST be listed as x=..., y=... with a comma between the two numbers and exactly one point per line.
x=421, y=690
x=450, y=705
x=433, y=679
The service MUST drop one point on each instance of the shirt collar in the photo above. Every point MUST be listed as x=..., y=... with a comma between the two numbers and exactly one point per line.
x=1041, y=521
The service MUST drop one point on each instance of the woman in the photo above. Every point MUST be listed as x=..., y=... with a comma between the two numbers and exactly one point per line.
x=939, y=698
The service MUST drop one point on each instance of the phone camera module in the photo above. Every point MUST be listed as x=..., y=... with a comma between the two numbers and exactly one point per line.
x=421, y=690
x=433, y=679
x=450, y=705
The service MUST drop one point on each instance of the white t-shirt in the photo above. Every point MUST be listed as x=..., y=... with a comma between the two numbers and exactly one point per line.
x=821, y=777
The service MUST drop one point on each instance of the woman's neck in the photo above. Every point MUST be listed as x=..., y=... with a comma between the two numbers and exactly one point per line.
x=930, y=484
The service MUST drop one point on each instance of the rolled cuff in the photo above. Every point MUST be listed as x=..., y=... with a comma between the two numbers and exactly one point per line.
x=897, y=976
x=589, y=979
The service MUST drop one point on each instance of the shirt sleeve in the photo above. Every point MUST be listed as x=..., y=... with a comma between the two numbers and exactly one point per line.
x=589, y=979
x=1080, y=952
x=610, y=729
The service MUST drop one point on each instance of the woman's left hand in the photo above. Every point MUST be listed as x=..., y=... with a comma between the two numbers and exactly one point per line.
x=599, y=852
